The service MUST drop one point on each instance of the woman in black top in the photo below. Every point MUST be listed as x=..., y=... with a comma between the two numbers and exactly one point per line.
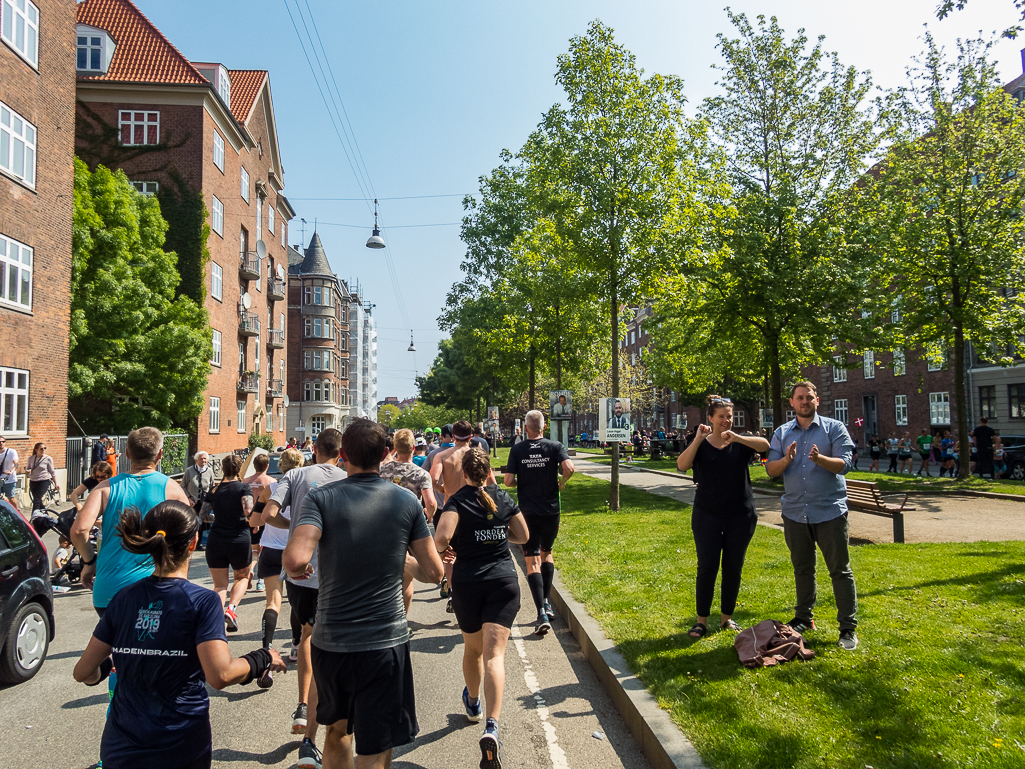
x=874, y=453
x=229, y=543
x=478, y=523
x=723, y=518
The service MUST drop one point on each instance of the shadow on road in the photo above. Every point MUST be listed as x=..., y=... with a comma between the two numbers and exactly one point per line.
x=273, y=757
x=87, y=702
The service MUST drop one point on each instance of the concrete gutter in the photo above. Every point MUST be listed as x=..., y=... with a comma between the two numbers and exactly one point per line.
x=661, y=740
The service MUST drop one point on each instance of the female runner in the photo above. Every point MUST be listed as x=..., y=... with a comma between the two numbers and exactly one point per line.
x=229, y=543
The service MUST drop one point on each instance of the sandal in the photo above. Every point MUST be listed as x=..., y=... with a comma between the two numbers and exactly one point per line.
x=730, y=625
x=698, y=631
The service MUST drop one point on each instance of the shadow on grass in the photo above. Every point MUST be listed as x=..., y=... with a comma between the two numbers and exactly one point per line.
x=986, y=585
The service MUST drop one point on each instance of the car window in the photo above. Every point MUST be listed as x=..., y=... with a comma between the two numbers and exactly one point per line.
x=1012, y=441
x=14, y=531
x=272, y=469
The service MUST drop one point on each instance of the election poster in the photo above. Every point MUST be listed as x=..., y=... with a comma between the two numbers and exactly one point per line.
x=560, y=405
x=614, y=419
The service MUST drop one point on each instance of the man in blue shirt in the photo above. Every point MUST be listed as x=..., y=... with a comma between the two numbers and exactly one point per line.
x=813, y=454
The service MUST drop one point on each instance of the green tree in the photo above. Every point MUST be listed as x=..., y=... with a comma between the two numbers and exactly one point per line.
x=946, y=215
x=614, y=172
x=778, y=280
x=947, y=6
x=422, y=416
x=139, y=354
x=388, y=414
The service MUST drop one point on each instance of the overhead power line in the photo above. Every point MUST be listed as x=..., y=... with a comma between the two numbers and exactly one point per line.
x=404, y=197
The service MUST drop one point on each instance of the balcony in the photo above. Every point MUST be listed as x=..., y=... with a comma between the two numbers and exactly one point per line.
x=249, y=266
x=248, y=382
x=275, y=338
x=275, y=288
x=248, y=324
x=275, y=388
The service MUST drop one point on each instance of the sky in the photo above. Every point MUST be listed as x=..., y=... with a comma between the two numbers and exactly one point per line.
x=434, y=91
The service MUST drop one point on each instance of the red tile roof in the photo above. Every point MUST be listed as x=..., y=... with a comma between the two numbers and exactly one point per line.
x=245, y=86
x=142, y=54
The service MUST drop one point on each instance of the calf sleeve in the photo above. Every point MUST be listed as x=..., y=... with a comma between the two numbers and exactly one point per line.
x=270, y=624
x=537, y=589
x=547, y=575
x=297, y=627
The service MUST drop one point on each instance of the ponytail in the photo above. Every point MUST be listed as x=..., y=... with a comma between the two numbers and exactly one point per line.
x=486, y=500
x=164, y=534
x=477, y=467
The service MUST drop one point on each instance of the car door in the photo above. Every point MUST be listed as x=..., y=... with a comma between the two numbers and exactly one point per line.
x=10, y=558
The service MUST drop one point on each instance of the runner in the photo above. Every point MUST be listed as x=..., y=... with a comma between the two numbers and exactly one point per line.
x=230, y=543
x=904, y=454
x=268, y=569
x=924, y=442
x=258, y=482
x=168, y=641
x=291, y=491
x=443, y=441
x=360, y=645
x=478, y=522
x=534, y=467
x=403, y=472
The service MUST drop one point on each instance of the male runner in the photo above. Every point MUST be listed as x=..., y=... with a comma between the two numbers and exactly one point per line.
x=534, y=468
x=303, y=593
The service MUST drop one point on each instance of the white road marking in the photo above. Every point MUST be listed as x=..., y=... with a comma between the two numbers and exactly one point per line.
x=555, y=751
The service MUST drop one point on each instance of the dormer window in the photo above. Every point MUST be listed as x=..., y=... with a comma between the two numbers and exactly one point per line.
x=217, y=74
x=95, y=50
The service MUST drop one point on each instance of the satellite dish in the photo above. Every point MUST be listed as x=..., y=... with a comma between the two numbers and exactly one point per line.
x=261, y=249
x=287, y=403
x=281, y=272
x=247, y=301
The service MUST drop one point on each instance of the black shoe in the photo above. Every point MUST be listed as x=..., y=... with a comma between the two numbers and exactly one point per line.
x=543, y=624
x=801, y=626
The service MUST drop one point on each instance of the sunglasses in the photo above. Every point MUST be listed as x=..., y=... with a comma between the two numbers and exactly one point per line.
x=722, y=401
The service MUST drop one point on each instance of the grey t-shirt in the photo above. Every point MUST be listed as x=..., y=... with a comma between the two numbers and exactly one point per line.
x=367, y=525
x=292, y=490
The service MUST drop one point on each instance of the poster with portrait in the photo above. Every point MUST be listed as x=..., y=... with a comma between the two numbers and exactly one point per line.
x=614, y=419
x=560, y=404
x=492, y=413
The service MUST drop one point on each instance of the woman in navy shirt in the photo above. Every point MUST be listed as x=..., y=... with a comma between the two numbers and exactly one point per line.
x=166, y=637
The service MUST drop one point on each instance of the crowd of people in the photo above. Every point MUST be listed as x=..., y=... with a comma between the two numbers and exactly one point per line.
x=346, y=536
x=986, y=452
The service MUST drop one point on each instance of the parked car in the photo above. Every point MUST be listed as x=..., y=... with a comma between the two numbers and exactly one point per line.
x=26, y=599
x=1014, y=456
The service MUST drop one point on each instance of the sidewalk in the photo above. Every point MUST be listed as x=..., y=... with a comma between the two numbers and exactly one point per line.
x=936, y=518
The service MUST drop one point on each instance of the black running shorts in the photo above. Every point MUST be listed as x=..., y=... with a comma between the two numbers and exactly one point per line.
x=269, y=564
x=494, y=600
x=372, y=691
x=222, y=555
x=304, y=602
x=256, y=535
x=543, y=531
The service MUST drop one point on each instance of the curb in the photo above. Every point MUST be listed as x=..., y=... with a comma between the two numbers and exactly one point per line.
x=661, y=740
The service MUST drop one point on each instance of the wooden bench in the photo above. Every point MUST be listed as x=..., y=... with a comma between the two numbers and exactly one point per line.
x=864, y=496
x=626, y=448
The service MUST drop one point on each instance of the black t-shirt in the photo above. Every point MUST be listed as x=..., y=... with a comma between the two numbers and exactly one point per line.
x=90, y=483
x=230, y=522
x=873, y=446
x=481, y=540
x=724, y=485
x=535, y=463
x=984, y=437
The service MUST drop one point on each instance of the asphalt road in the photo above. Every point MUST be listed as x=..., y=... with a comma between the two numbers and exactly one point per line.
x=553, y=705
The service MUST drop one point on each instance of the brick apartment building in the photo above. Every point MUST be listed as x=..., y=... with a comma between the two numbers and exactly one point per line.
x=37, y=110
x=319, y=307
x=178, y=128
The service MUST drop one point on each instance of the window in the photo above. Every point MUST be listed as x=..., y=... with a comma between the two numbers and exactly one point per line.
x=217, y=217
x=224, y=87
x=139, y=128
x=988, y=402
x=900, y=367
x=240, y=407
x=270, y=219
x=739, y=419
x=317, y=360
x=935, y=360
x=318, y=327
x=869, y=364
x=17, y=145
x=215, y=414
x=307, y=389
x=895, y=316
x=789, y=414
x=839, y=372
x=318, y=295
x=307, y=360
x=633, y=337
x=216, y=280
x=307, y=327
x=270, y=421
x=216, y=359
x=901, y=409
x=343, y=369
x=244, y=185
x=283, y=225
x=13, y=400
x=282, y=367
x=259, y=218
x=840, y=410
x=939, y=408
x=1016, y=399
x=21, y=29
x=281, y=327
x=219, y=151
x=147, y=188
x=15, y=273
x=256, y=356
x=317, y=425
x=281, y=418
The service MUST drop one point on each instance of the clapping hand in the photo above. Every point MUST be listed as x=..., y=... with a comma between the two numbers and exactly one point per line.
x=792, y=452
x=727, y=437
x=703, y=431
x=813, y=455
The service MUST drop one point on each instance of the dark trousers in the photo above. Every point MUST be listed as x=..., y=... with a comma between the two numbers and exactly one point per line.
x=893, y=463
x=832, y=537
x=984, y=463
x=725, y=538
x=38, y=490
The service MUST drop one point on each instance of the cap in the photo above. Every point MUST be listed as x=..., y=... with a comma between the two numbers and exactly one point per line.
x=446, y=430
x=421, y=442
x=103, y=435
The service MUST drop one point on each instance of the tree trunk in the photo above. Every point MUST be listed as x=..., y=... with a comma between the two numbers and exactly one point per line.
x=558, y=350
x=961, y=402
x=775, y=383
x=478, y=409
x=533, y=374
x=614, y=488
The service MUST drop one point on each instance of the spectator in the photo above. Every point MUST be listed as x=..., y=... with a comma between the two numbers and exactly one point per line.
x=40, y=475
x=8, y=472
x=99, y=450
x=984, y=445
x=999, y=461
x=112, y=454
x=98, y=473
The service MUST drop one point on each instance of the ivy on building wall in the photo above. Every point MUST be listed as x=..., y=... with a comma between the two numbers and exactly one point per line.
x=98, y=142
x=187, y=234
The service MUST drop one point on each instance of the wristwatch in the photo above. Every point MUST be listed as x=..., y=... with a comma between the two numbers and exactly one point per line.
x=96, y=554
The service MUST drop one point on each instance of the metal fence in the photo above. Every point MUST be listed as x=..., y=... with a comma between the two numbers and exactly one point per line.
x=173, y=462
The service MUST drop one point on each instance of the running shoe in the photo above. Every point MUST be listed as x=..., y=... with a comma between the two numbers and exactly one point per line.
x=443, y=588
x=448, y=607
x=547, y=608
x=543, y=624
x=266, y=680
x=292, y=653
x=309, y=756
x=802, y=626
x=299, y=719
x=260, y=585
x=490, y=751
x=473, y=712
x=230, y=619
x=848, y=640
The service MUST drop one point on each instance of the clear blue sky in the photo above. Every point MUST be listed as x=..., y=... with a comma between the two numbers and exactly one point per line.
x=435, y=90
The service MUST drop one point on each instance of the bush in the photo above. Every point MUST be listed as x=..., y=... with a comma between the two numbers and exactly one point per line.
x=261, y=441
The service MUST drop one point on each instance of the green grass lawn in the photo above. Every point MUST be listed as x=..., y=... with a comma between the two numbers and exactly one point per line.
x=938, y=679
